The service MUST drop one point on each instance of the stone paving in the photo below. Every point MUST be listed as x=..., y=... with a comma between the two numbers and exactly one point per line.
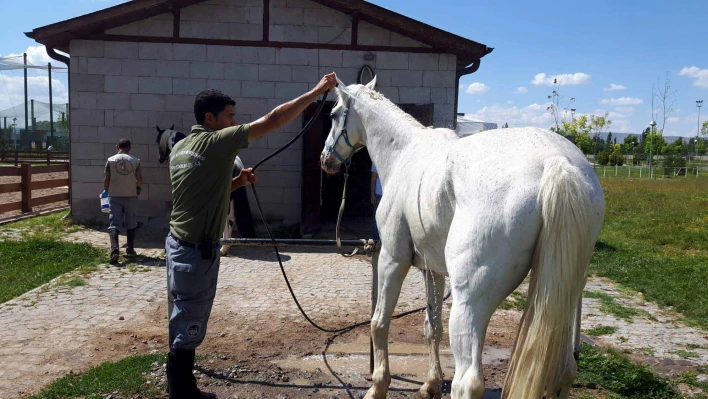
x=48, y=332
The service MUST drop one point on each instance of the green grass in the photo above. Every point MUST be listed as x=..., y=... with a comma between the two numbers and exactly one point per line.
x=31, y=262
x=51, y=225
x=601, y=330
x=124, y=376
x=655, y=241
x=686, y=354
x=614, y=372
x=517, y=301
x=609, y=305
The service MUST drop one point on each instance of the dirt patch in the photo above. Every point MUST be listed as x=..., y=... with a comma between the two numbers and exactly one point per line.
x=17, y=196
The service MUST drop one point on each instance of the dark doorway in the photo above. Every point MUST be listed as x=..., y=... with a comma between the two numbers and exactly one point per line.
x=322, y=193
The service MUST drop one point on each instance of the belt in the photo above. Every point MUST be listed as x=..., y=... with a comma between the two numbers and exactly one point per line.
x=200, y=245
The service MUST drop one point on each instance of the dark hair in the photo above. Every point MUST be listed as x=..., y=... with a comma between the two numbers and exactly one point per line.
x=123, y=144
x=210, y=101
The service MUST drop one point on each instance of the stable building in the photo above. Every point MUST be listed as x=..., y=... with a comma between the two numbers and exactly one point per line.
x=140, y=64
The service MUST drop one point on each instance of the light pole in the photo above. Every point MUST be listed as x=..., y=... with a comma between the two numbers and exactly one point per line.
x=699, y=104
x=651, y=146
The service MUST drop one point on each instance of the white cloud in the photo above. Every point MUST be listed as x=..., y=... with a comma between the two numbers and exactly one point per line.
x=623, y=101
x=566, y=79
x=532, y=115
x=509, y=102
x=701, y=75
x=615, y=87
x=627, y=110
x=521, y=90
x=673, y=119
x=477, y=88
x=37, y=89
x=37, y=55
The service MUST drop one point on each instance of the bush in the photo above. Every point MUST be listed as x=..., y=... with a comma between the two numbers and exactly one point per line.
x=603, y=158
x=616, y=159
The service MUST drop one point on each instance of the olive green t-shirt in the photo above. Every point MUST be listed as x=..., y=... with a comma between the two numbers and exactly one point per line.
x=201, y=167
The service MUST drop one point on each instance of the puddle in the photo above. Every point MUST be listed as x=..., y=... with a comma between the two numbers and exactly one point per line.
x=408, y=362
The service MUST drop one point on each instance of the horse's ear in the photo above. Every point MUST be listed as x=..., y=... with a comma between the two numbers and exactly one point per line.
x=173, y=127
x=372, y=85
x=158, y=129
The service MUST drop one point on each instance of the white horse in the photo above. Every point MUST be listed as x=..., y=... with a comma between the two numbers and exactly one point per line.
x=483, y=210
x=166, y=140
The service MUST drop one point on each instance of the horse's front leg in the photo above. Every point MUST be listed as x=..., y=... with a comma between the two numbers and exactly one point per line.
x=433, y=329
x=228, y=228
x=392, y=272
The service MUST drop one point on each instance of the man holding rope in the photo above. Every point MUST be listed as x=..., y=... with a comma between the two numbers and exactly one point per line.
x=200, y=172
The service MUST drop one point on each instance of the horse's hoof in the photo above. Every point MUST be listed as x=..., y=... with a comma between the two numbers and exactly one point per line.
x=422, y=394
x=371, y=394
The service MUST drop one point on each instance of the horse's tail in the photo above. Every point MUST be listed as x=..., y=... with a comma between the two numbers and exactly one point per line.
x=558, y=275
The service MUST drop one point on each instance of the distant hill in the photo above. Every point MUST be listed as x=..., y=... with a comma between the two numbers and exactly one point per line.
x=620, y=137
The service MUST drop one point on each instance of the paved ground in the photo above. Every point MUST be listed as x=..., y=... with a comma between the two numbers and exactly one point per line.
x=54, y=330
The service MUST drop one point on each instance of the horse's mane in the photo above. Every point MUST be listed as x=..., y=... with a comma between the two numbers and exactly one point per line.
x=379, y=101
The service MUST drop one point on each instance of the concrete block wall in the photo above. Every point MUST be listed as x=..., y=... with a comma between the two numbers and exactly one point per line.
x=122, y=89
x=223, y=19
x=157, y=26
x=305, y=21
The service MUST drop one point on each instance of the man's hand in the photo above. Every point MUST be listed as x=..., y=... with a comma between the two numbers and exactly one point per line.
x=287, y=112
x=244, y=178
x=327, y=83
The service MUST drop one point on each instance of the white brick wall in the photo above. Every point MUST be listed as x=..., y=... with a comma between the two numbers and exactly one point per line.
x=126, y=89
x=308, y=22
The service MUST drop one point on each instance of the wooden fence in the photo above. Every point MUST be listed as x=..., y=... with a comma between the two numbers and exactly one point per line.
x=26, y=186
x=44, y=157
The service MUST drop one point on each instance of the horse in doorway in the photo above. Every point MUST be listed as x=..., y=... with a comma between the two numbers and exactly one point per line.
x=484, y=210
x=239, y=210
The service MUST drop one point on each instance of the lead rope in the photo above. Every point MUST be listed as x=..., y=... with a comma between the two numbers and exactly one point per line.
x=339, y=218
x=369, y=245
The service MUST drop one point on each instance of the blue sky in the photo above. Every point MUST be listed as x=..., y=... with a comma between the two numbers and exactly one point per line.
x=597, y=46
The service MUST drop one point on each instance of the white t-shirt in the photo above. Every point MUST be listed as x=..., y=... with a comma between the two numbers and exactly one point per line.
x=379, y=190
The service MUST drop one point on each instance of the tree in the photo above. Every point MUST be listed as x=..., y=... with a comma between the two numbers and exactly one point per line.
x=603, y=157
x=701, y=146
x=616, y=157
x=678, y=143
x=554, y=107
x=666, y=97
x=704, y=129
x=598, y=124
x=656, y=142
x=608, y=142
x=630, y=143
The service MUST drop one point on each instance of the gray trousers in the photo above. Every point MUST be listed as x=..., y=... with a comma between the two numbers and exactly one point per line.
x=191, y=288
x=122, y=213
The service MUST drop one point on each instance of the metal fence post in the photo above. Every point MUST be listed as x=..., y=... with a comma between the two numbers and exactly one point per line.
x=26, y=182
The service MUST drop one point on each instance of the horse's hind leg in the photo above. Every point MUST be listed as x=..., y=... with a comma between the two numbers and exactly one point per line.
x=432, y=329
x=392, y=272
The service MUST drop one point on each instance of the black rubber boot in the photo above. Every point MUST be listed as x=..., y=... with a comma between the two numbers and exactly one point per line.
x=130, y=250
x=181, y=383
x=114, y=246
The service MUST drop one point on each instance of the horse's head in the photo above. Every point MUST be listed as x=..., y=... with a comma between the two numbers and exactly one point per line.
x=166, y=139
x=347, y=134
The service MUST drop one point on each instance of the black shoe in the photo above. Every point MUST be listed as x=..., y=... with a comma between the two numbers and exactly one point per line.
x=181, y=383
x=130, y=251
x=114, y=247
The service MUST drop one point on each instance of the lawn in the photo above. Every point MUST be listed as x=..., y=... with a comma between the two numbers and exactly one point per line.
x=655, y=241
x=37, y=256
